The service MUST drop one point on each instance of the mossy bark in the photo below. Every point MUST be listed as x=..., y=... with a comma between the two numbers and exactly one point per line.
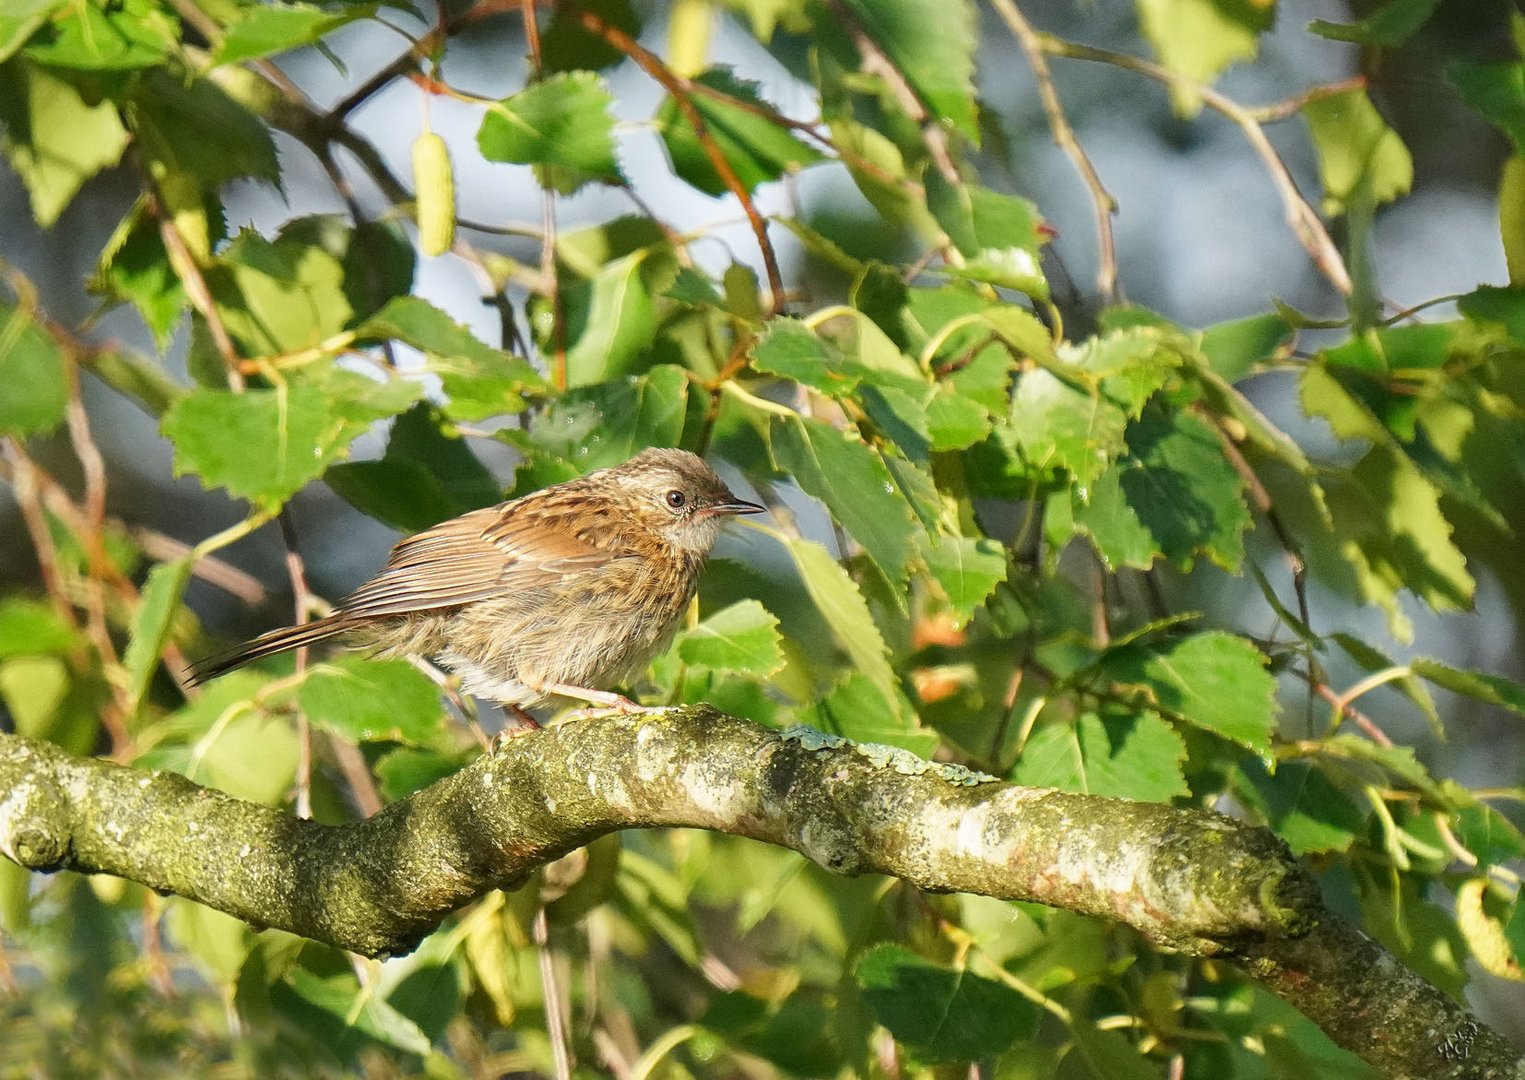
x=1189, y=879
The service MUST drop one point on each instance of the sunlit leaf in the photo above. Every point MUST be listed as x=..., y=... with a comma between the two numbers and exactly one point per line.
x=561, y=125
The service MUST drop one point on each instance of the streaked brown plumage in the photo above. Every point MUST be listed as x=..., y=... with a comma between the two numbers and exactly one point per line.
x=567, y=591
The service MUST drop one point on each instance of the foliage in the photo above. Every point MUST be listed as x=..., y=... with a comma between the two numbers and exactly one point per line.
x=1031, y=497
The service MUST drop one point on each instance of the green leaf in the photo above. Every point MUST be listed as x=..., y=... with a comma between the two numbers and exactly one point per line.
x=693, y=288
x=152, y=621
x=1234, y=348
x=837, y=598
x=1054, y=425
x=791, y=350
x=1512, y=218
x=135, y=268
x=1392, y=511
x=612, y=319
x=851, y=479
x=1497, y=91
x=479, y=381
x=562, y=125
x=407, y=769
x=566, y=45
x=105, y=37
x=363, y=699
x=226, y=741
x=193, y=132
x=221, y=942
x=33, y=628
x=1361, y=159
x=932, y=43
x=425, y=476
x=20, y=20
x=55, y=140
x=1493, y=838
x=593, y=427
x=743, y=637
x=353, y=1011
x=1214, y=680
x=968, y=569
x=757, y=149
x=956, y=422
x=279, y=296
x=1172, y=494
x=1135, y=756
x=33, y=372
x=1391, y=24
x=264, y=445
x=1306, y=810
x=1199, y=38
x=941, y=1014
x=1478, y=685
x=857, y=709
x=274, y=27
x=997, y=234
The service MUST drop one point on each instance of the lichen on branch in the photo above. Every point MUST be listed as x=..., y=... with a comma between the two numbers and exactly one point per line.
x=1186, y=878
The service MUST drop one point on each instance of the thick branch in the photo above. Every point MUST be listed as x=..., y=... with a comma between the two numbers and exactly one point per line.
x=1187, y=878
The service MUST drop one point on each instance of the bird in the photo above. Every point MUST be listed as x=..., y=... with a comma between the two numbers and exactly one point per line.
x=566, y=592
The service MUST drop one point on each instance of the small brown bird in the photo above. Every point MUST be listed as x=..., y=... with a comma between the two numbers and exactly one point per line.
x=567, y=591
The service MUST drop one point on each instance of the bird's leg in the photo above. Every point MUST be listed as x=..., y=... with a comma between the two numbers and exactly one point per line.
x=519, y=723
x=606, y=701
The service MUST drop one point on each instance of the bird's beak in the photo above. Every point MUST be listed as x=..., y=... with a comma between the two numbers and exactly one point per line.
x=735, y=506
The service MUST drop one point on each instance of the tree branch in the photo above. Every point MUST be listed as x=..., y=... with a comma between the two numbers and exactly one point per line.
x=1186, y=878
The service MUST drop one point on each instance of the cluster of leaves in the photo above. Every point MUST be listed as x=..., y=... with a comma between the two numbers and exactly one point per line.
x=975, y=462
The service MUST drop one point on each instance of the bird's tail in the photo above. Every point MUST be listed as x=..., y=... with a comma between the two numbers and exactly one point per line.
x=276, y=641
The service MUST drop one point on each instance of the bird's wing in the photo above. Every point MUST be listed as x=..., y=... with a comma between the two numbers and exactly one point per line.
x=473, y=557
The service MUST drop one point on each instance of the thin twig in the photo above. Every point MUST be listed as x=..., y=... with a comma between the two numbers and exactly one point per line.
x=680, y=89
x=1304, y=220
x=296, y=570
x=188, y=270
x=97, y=561
x=555, y=1018
x=1102, y=201
x=876, y=62
x=209, y=568
x=26, y=488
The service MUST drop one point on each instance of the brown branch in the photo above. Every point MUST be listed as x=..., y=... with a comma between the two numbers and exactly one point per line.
x=1183, y=877
x=680, y=89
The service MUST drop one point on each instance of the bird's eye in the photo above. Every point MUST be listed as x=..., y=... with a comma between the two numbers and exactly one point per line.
x=676, y=499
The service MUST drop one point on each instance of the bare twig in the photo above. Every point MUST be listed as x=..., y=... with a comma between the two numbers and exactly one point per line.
x=302, y=601
x=1304, y=220
x=555, y=1015
x=188, y=270
x=1064, y=137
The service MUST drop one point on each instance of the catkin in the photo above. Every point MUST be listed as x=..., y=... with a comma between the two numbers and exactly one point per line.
x=434, y=187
